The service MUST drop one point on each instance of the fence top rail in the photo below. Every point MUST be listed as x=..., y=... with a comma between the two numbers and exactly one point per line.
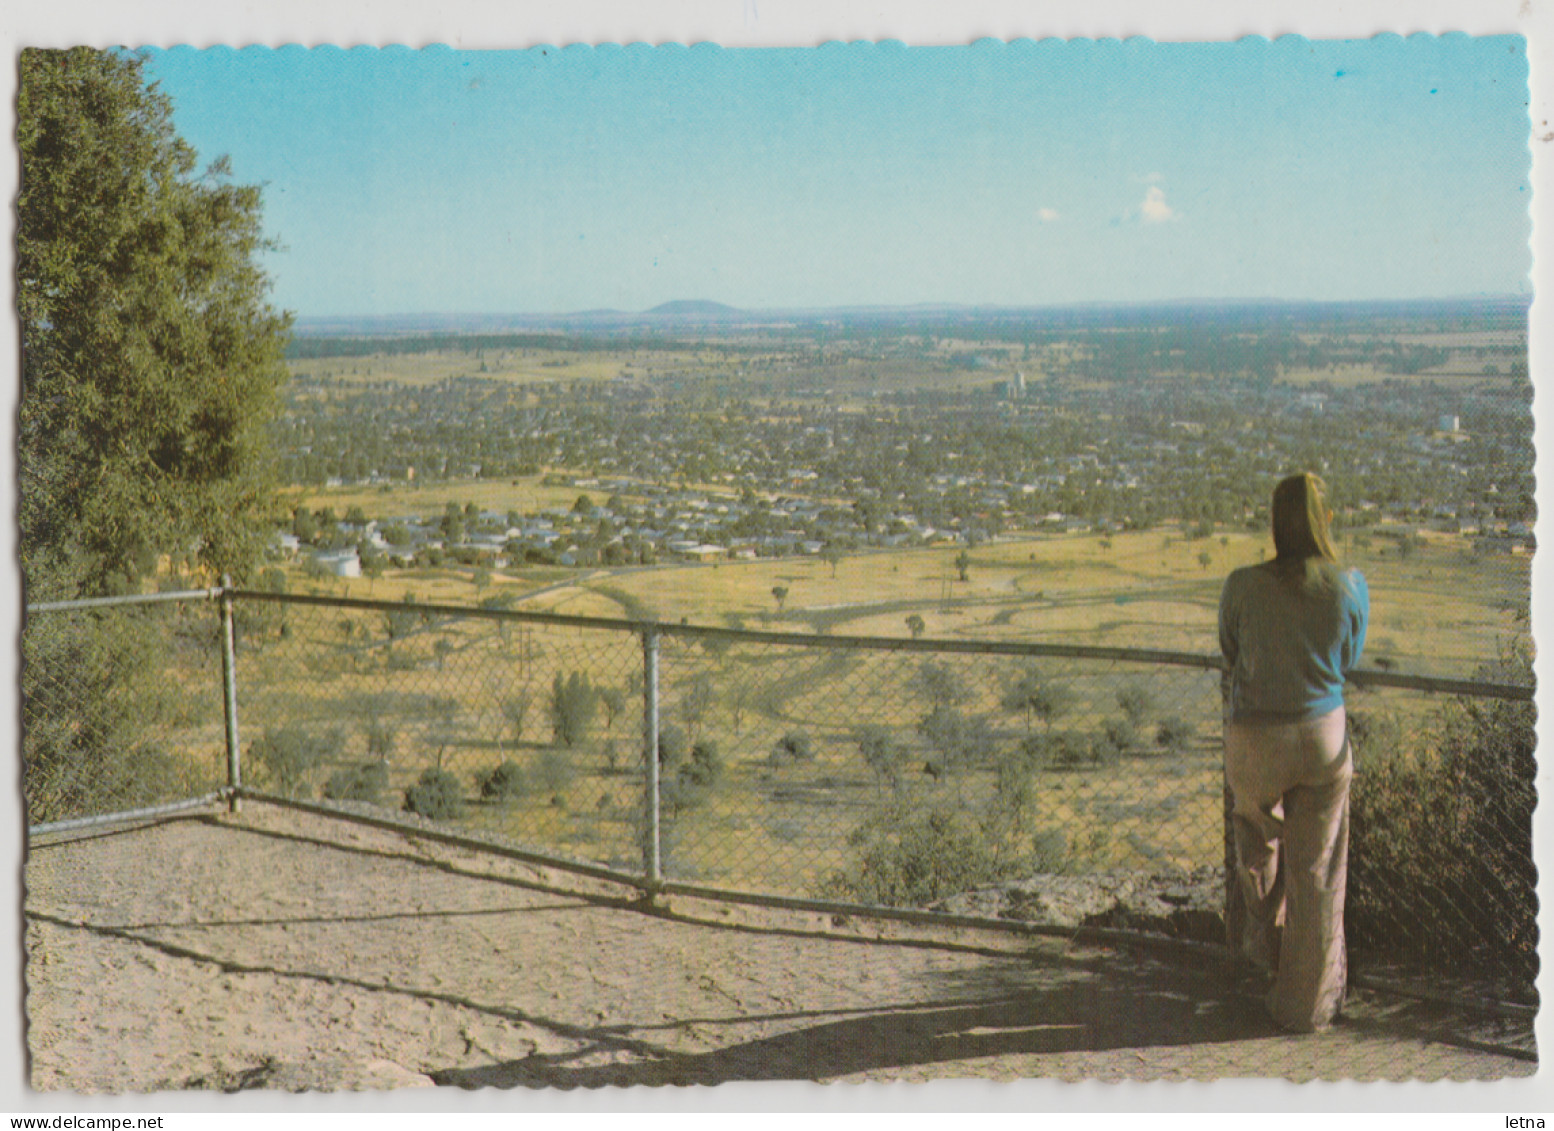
x=129, y=599
x=1366, y=678
x=748, y=636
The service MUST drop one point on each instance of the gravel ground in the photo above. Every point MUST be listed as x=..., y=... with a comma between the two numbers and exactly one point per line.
x=286, y=951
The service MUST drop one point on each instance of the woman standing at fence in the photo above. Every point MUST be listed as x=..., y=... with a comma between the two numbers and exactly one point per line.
x=1290, y=630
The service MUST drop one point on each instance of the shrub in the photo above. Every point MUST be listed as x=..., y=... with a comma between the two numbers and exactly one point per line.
x=365, y=782
x=554, y=771
x=94, y=697
x=1062, y=750
x=912, y=859
x=1120, y=735
x=1136, y=703
x=1441, y=860
x=673, y=747
x=501, y=783
x=705, y=766
x=1174, y=733
x=381, y=736
x=792, y=747
x=881, y=753
x=959, y=740
x=437, y=796
x=288, y=754
x=515, y=709
x=1035, y=698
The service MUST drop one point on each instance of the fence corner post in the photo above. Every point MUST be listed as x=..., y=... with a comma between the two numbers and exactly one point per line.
x=229, y=697
x=652, y=863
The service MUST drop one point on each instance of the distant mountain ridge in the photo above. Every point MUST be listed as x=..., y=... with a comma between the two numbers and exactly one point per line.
x=694, y=306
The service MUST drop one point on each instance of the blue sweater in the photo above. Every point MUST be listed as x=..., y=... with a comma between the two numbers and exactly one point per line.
x=1289, y=646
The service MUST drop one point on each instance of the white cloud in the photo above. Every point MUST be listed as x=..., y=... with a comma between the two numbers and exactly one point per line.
x=1155, y=210
x=1046, y=215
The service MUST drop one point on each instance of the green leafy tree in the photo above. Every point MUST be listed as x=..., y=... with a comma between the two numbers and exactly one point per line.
x=613, y=703
x=1035, y=698
x=573, y=702
x=151, y=360
x=881, y=752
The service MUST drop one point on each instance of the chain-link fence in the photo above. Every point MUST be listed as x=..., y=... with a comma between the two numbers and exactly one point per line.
x=900, y=773
x=122, y=706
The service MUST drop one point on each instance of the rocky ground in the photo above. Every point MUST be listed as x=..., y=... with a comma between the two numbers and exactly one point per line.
x=283, y=951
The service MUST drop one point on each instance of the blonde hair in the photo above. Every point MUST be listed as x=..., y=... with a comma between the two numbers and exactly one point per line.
x=1302, y=541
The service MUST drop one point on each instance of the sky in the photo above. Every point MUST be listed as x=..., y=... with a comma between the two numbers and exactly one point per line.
x=549, y=180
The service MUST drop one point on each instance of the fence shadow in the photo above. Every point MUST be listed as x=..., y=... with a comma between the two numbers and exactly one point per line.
x=1125, y=1010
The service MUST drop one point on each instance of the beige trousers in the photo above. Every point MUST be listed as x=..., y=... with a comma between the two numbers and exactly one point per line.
x=1290, y=785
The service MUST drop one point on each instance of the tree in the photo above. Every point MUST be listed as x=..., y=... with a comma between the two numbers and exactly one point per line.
x=881, y=753
x=151, y=361
x=780, y=592
x=573, y=701
x=939, y=685
x=1035, y=698
x=963, y=565
x=916, y=626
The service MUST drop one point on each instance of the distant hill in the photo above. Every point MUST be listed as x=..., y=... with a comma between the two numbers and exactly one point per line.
x=697, y=308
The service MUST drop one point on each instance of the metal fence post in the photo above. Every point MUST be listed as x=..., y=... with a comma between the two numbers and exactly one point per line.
x=651, y=860
x=1235, y=901
x=229, y=699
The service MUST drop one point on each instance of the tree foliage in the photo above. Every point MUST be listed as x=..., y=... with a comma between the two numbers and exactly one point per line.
x=573, y=703
x=150, y=356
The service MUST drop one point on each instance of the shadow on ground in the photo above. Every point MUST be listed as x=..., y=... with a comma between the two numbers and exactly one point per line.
x=1090, y=1014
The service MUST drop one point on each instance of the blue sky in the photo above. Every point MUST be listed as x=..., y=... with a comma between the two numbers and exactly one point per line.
x=551, y=180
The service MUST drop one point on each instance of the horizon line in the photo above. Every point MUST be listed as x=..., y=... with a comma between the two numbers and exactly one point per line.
x=693, y=307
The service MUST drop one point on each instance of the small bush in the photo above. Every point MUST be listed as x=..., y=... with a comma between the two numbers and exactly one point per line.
x=1136, y=703
x=705, y=766
x=1120, y=735
x=358, y=783
x=502, y=783
x=554, y=771
x=673, y=747
x=959, y=741
x=881, y=753
x=910, y=860
x=515, y=710
x=1062, y=750
x=792, y=747
x=381, y=736
x=1174, y=733
x=290, y=753
x=437, y=796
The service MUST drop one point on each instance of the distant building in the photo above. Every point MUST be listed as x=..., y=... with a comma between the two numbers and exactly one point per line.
x=341, y=563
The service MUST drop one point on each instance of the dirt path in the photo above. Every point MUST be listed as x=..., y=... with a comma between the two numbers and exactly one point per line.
x=286, y=951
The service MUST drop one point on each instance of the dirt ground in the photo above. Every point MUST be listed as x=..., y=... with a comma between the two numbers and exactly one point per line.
x=285, y=951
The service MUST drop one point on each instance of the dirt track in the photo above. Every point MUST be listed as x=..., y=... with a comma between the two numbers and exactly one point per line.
x=285, y=951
